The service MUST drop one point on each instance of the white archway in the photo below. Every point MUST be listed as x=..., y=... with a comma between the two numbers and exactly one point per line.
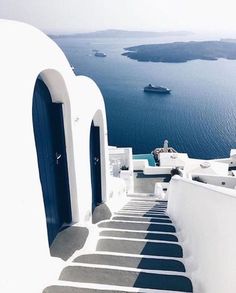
x=59, y=94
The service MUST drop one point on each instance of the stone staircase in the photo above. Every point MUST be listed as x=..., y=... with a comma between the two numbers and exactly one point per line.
x=137, y=251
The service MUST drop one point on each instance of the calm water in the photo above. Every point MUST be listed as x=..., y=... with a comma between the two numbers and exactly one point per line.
x=199, y=117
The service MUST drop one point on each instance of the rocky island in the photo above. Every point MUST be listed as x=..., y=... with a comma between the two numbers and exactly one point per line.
x=182, y=51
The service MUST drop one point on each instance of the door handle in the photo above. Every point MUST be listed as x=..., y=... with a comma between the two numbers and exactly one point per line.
x=95, y=160
x=58, y=157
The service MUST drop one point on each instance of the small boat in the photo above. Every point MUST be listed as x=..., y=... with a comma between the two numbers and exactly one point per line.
x=156, y=89
x=100, y=54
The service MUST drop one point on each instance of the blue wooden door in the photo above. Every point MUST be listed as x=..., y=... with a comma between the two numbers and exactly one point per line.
x=95, y=165
x=51, y=152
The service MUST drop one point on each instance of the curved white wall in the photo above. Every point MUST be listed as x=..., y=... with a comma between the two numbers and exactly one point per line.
x=93, y=110
x=206, y=218
x=25, y=53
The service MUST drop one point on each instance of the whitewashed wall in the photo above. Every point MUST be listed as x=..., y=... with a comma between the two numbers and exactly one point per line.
x=25, y=53
x=206, y=217
x=223, y=181
x=120, y=157
x=140, y=164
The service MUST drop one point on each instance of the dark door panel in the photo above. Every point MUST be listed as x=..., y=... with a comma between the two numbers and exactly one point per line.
x=50, y=141
x=95, y=163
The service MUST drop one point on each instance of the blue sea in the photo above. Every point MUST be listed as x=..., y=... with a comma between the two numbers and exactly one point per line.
x=198, y=117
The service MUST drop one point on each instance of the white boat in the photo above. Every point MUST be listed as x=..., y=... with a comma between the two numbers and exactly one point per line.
x=100, y=54
x=157, y=89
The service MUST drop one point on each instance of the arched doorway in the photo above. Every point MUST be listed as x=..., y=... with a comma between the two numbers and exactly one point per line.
x=52, y=160
x=95, y=165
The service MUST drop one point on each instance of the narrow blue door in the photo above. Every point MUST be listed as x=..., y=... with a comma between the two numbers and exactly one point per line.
x=51, y=152
x=95, y=163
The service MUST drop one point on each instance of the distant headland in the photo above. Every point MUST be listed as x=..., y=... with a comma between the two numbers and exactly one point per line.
x=114, y=33
x=229, y=40
x=183, y=51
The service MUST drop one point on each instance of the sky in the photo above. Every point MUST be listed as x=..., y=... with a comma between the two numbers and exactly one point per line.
x=70, y=16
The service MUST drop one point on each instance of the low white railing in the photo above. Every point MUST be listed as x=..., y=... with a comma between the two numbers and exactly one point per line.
x=142, y=165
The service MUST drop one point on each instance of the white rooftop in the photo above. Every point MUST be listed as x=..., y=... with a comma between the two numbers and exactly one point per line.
x=173, y=159
x=195, y=166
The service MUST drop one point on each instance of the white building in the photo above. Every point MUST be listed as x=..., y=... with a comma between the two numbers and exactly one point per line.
x=44, y=106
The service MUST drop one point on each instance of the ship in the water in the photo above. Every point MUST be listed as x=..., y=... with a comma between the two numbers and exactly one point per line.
x=100, y=54
x=156, y=89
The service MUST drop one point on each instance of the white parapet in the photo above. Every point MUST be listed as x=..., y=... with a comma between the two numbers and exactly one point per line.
x=223, y=181
x=157, y=170
x=205, y=217
x=140, y=165
x=231, y=161
x=121, y=165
